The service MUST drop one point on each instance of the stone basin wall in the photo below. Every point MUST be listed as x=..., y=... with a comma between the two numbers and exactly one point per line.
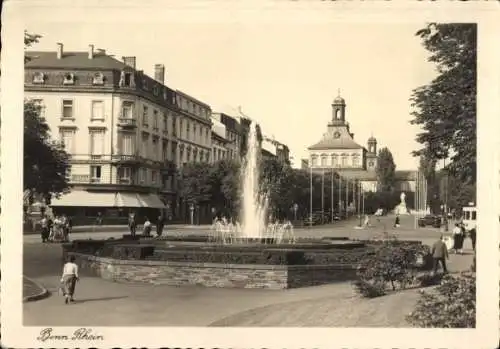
x=213, y=274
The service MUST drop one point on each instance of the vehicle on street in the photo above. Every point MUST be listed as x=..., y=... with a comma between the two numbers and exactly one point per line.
x=430, y=220
x=469, y=217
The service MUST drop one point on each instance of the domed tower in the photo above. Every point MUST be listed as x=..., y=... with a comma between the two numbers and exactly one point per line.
x=338, y=111
x=371, y=154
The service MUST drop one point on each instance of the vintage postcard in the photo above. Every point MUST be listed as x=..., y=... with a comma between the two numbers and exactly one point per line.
x=215, y=174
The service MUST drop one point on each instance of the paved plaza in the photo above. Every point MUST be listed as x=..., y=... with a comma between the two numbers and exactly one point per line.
x=101, y=302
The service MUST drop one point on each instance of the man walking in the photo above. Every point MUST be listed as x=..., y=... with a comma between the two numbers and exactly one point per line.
x=439, y=254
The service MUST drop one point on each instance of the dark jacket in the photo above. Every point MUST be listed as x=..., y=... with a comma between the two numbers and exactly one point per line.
x=439, y=250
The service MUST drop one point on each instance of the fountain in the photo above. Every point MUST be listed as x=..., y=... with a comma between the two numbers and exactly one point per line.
x=246, y=254
x=253, y=226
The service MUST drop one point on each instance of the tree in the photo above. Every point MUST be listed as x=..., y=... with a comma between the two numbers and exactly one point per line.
x=386, y=169
x=195, y=185
x=46, y=164
x=446, y=107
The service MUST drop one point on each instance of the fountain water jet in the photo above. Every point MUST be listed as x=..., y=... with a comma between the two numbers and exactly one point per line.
x=255, y=205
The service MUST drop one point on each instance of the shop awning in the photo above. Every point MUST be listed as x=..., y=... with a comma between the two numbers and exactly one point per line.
x=127, y=200
x=151, y=200
x=86, y=199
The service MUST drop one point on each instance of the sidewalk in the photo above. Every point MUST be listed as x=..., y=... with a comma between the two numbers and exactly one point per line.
x=124, y=228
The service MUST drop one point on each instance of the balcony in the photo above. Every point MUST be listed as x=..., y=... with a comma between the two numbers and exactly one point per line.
x=127, y=123
x=168, y=167
x=126, y=159
x=80, y=179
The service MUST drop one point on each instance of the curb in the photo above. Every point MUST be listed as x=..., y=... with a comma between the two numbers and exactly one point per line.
x=41, y=295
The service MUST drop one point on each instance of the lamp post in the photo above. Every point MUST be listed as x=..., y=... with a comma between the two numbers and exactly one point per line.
x=191, y=211
x=295, y=208
x=310, y=193
x=446, y=228
x=359, y=203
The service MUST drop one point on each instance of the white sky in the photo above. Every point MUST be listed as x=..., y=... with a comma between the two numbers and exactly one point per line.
x=284, y=75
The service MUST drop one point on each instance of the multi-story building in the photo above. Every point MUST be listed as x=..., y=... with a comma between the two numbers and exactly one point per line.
x=276, y=150
x=194, y=129
x=232, y=134
x=220, y=149
x=125, y=131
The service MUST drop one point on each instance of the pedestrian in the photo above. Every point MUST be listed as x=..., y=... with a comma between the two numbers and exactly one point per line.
x=397, y=221
x=159, y=224
x=99, y=218
x=50, y=226
x=458, y=239
x=367, y=221
x=472, y=235
x=44, y=226
x=146, y=231
x=439, y=254
x=69, y=279
x=132, y=224
x=69, y=227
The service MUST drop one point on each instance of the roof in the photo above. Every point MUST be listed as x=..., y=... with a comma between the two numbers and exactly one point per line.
x=339, y=100
x=335, y=143
x=364, y=175
x=47, y=59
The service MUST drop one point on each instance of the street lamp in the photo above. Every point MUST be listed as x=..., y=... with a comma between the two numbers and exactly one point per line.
x=295, y=208
x=191, y=209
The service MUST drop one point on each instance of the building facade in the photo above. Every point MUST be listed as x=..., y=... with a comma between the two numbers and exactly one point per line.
x=337, y=150
x=126, y=132
x=232, y=134
x=220, y=144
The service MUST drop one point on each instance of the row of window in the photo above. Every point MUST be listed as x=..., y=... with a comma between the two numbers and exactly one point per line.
x=127, y=176
x=68, y=78
x=333, y=160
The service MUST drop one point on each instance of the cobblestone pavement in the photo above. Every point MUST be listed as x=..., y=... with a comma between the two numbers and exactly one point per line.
x=104, y=303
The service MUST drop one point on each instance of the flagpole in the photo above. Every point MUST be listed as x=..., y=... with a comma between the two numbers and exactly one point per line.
x=340, y=195
x=310, y=194
x=416, y=200
x=346, y=196
x=323, y=196
x=332, y=198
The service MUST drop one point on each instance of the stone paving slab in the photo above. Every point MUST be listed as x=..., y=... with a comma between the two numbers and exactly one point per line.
x=33, y=290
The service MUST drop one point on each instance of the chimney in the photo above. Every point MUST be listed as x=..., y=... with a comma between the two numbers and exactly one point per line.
x=91, y=51
x=160, y=73
x=59, y=50
x=130, y=61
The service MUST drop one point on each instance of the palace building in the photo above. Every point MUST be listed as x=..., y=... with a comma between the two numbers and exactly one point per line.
x=337, y=150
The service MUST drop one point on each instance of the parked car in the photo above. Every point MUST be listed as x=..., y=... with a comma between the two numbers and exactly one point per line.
x=314, y=220
x=430, y=220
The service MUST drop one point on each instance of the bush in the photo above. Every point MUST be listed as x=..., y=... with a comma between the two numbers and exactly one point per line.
x=132, y=252
x=369, y=289
x=394, y=263
x=451, y=305
x=430, y=279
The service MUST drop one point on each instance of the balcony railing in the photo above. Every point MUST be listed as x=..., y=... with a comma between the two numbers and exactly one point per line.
x=127, y=122
x=80, y=178
x=126, y=158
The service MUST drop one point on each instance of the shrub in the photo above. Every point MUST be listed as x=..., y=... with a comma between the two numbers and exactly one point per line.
x=394, y=263
x=369, y=289
x=430, y=279
x=132, y=252
x=451, y=305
